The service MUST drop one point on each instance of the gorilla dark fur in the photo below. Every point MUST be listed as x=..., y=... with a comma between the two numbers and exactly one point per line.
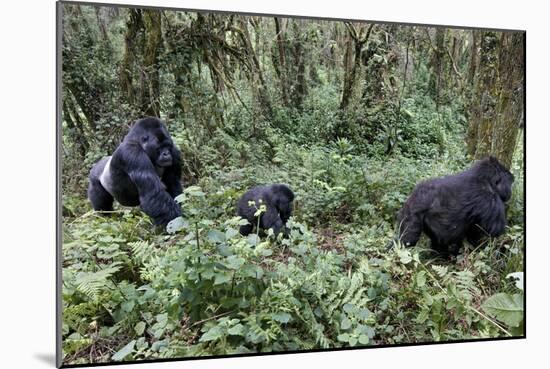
x=466, y=205
x=144, y=170
x=278, y=201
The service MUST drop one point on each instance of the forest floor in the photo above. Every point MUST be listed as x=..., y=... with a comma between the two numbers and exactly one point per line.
x=133, y=292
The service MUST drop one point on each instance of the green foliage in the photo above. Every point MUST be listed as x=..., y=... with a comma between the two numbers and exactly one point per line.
x=206, y=290
x=133, y=292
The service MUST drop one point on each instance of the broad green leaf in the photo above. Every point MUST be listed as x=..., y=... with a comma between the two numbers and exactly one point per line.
x=343, y=337
x=234, y=262
x=253, y=239
x=157, y=345
x=139, y=328
x=348, y=308
x=281, y=317
x=128, y=306
x=216, y=236
x=222, y=278
x=346, y=323
x=125, y=351
x=194, y=191
x=421, y=278
x=363, y=339
x=236, y=330
x=141, y=344
x=364, y=314
x=176, y=224
x=506, y=308
x=422, y=316
x=231, y=233
x=211, y=335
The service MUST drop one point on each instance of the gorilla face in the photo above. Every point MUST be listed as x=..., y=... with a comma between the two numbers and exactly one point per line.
x=504, y=186
x=164, y=158
x=502, y=180
x=158, y=146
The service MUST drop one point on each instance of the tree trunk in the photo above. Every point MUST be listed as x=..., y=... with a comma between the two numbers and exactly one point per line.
x=256, y=72
x=102, y=26
x=497, y=106
x=299, y=87
x=153, y=37
x=126, y=67
x=473, y=58
x=280, y=64
x=436, y=83
x=352, y=60
x=348, y=73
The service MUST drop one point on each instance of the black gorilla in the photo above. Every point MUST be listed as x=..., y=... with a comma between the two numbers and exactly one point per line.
x=278, y=201
x=144, y=170
x=466, y=205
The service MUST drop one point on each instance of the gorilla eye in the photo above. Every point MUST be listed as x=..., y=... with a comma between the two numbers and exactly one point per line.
x=145, y=139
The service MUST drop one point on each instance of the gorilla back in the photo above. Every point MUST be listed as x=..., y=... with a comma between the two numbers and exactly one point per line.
x=144, y=170
x=466, y=205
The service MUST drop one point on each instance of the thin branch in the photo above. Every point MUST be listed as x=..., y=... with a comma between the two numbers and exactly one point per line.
x=455, y=69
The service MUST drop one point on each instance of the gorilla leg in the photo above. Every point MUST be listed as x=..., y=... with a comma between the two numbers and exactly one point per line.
x=454, y=248
x=246, y=229
x=475, y=235
x=271, y=219
x=443, y=245
x=100, y=198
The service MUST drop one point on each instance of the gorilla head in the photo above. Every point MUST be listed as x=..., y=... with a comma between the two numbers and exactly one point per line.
x=466, y=205
x=278, y=200
x=494, y=173
x=144, y=170
x=154, y=140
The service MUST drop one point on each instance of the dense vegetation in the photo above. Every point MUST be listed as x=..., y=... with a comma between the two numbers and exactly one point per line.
x=351, y=116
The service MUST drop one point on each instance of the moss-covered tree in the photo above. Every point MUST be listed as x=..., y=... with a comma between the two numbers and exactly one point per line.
x=497, y=106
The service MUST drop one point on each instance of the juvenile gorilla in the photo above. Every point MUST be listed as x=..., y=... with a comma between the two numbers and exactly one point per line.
x=278, y=201
x=144, y=170
x=466, y=205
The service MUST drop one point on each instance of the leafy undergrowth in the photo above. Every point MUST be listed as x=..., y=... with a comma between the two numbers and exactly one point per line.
x=131, y=292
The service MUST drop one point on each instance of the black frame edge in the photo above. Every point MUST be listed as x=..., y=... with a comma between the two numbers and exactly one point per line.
x=59, y=205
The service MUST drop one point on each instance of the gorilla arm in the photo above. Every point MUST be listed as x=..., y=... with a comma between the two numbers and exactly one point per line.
x=271, y=219
x=492, y=215
x=154, y=200
x=411, y=217
x=171, y=176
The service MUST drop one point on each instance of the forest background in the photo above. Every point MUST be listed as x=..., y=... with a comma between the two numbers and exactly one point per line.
x=350, y=115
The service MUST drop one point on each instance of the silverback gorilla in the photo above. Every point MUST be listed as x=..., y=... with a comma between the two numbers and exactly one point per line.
x=144, y=170
x=466, y=205
x=278, y=201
